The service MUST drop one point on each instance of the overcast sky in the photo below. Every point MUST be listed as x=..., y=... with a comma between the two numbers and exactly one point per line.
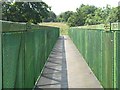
x=59, y=6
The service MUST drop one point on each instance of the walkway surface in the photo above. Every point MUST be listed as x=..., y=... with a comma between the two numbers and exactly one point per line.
x=66, y=68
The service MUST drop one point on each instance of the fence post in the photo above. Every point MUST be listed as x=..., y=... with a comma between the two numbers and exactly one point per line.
x=0, y=47
x=115, y=58
x=0, y=55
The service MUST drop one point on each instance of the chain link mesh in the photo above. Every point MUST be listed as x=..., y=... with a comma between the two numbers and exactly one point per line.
x=24, y=55
x=98, y=48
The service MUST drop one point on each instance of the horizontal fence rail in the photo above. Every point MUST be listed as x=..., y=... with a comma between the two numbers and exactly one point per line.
x=101, y=50
x=25, y=49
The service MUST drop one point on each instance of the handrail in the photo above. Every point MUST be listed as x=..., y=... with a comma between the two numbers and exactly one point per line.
x=106, y=27
x=8, y=26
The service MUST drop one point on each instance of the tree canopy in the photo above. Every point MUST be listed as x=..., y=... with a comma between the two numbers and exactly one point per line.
x=91, y=15
x=63, y=17
x=51, y=17
x=36, y=12
x=33, y=12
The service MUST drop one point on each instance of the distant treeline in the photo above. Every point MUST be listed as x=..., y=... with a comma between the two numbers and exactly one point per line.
x=36, y=12
x=90, y=15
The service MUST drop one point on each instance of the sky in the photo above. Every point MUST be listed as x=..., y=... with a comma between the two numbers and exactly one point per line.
x=59, y=6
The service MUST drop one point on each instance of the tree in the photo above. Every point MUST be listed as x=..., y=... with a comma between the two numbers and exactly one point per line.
x=95, y=17
x=80, y=16
x=113, y=15
x=51, y=18
x=64, y=16
x=91, y=15
x=71, y=20
x=118, y=13
x=33, y=12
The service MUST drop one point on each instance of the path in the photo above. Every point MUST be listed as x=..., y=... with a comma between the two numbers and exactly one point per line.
x=66, y=68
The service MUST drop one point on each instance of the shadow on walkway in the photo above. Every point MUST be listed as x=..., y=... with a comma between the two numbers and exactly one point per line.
x=55, y=72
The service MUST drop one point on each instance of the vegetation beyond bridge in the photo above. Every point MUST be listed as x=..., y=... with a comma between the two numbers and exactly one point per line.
x=36, y=12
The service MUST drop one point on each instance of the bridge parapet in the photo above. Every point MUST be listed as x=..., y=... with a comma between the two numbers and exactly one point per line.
x=101, y=49
x=24, y=52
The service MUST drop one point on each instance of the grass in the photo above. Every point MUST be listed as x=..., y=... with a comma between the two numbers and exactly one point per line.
x=63, y=26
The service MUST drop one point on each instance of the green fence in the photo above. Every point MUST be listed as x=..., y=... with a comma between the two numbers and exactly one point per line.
x=101, y=50
x=25, y=49
x=0, y=60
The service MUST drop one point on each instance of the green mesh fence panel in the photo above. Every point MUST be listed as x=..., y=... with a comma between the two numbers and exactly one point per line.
x=90, y=50
x=117, y=77
x=101, y=51
x=78, y=43
x=98, y=54
x=0, y=62
x=24, y=53
x=86, y=45
x=39, y=51
x=13, y=53
x=107, y=59
x=29, y=59
x=94, y=55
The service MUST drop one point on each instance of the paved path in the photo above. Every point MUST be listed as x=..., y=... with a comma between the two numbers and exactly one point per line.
x=66, y=68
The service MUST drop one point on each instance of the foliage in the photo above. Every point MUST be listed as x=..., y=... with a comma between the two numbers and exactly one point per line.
x=118, y=13
x=63, y=17
x=91, y=15
x=36, y=12
x=33, y=12
x=51, y=17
